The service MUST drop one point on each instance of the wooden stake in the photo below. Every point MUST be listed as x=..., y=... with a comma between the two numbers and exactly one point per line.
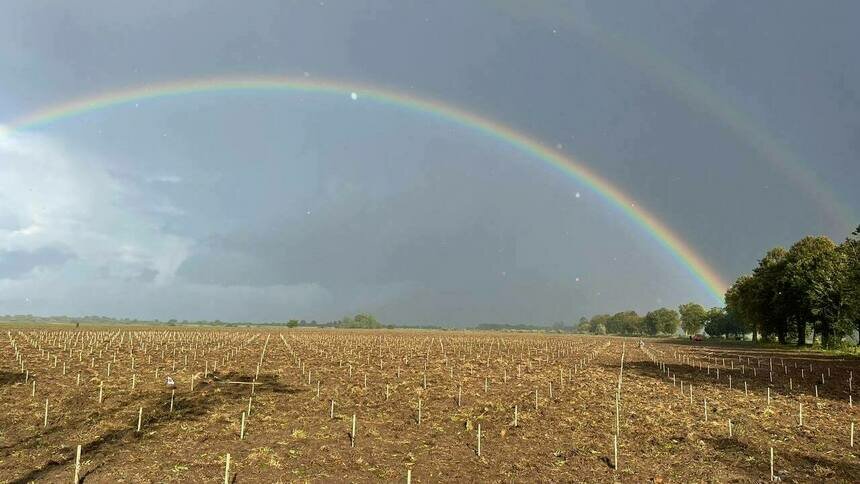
x=352, y=435
x=419, y=411
x=479, y=440
x=242, y=428
x=615, y=450
x=46, y=413
x=139, y=418
x=516, y=414
x=771, y=464
x=77, y=465
x=227, y=470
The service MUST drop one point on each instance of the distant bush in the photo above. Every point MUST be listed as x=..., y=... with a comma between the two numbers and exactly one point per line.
x=361, y=320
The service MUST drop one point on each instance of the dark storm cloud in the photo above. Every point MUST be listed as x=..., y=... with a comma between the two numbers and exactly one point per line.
x=251, y=205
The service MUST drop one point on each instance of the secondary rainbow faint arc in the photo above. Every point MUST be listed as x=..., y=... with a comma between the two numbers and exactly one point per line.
x=680, y=250
x=699, y=95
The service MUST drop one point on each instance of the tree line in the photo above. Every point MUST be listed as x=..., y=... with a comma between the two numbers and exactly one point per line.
x=659, y=321
x=809, y=292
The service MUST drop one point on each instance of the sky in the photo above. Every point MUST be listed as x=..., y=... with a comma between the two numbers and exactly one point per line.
x=736, y=124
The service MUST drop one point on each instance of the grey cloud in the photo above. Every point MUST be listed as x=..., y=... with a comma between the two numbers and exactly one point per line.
x=283, y=203
x=18, y=263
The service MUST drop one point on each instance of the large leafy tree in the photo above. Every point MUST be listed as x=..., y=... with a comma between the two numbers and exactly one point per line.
x=740, y=303
x=584, y=325
x=663, y=320
x=850, y=250
x=714, y=322
x=720, y=322
x=631, y=322
x=625, y=322
x=768, y=302
x=599, y=324
x=614, y=324
x=814, y=279
x=692, y=317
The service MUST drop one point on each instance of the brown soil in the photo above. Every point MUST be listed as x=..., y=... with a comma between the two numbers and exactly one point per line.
x=290, y=436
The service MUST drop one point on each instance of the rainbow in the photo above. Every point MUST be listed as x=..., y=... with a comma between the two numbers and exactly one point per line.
x=699, y=96
x=671, y=242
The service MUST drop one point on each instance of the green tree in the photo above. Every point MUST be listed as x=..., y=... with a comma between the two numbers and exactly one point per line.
x=740, y=303
x=598, y=324
x=361, y=320
x=663, y=320
x=769, y=303
x=624, y=322
x=850, y=250
x=692, y=317
x=813, y=277
x=714, y=322
x=720, y=322
x=631, y=323
x=584, y=325
x=614, y=324
x=292, y=323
